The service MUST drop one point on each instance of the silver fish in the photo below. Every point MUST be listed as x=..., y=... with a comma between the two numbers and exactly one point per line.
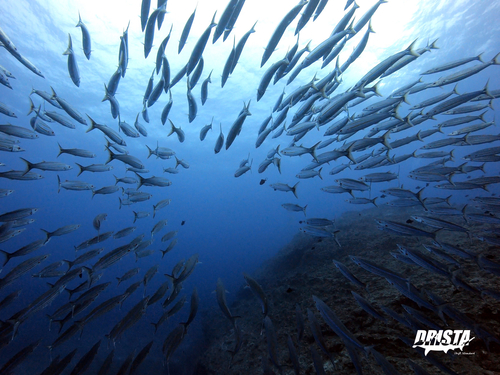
x=72, y=65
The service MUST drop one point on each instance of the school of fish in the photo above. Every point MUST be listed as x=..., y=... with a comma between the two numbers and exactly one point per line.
x=346, y=126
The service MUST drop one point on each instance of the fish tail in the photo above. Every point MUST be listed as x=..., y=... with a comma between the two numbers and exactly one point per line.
x=319, y=172
x=81, y=169
x=304, y=210
x=110, y=155
x=313, y=151
x=172, y=129
x=60, y=322
x=92, y=124
x=60, y=149
x=141, y=181
x=54, y=95
x=58, y=184
x=7, y=257
x=375, y=89
x=350, y=155
x=385, y=139
x=170, y=277
x=374, y=200
x=150, y=151
x=47, y=234
x=69, y=50
x=410, y=49
x=294, y=190
x=496, y=59
x=29, y=165
x=106, y=97
x=70, y=265
x=121, y=205
x=32, y=107
x=80, y=23
x=278, y=150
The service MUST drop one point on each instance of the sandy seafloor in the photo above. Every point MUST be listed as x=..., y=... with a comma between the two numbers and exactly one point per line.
x=305, y=268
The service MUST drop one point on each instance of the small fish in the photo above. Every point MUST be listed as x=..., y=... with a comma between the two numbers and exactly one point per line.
x=258, y=292
x=272, y=342
x=178, y=131
x=205, y=129
x=76, y=152
x=221, y=300
x=220, y=141
x=280, y=29
x=61, y=231
x=284, y=187
x=185, y=31
x=243, y=169
x=72, y=65
x=294, y=207
x=86, y=42
x=336, y=325
x=127, y=275
x=192, y=312
x=46, y=166
x=140, y=215
x=18, y=131
x=140, y=128
x=161, y=204
x=347, y=273
x=158, y=227
x=73, y=185
x=204, y=89
x=169, y=236
x=94, y=168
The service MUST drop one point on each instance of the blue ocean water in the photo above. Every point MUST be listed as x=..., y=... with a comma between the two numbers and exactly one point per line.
x=233, y=224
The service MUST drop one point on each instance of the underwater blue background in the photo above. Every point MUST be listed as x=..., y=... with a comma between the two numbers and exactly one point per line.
x=234, y=224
